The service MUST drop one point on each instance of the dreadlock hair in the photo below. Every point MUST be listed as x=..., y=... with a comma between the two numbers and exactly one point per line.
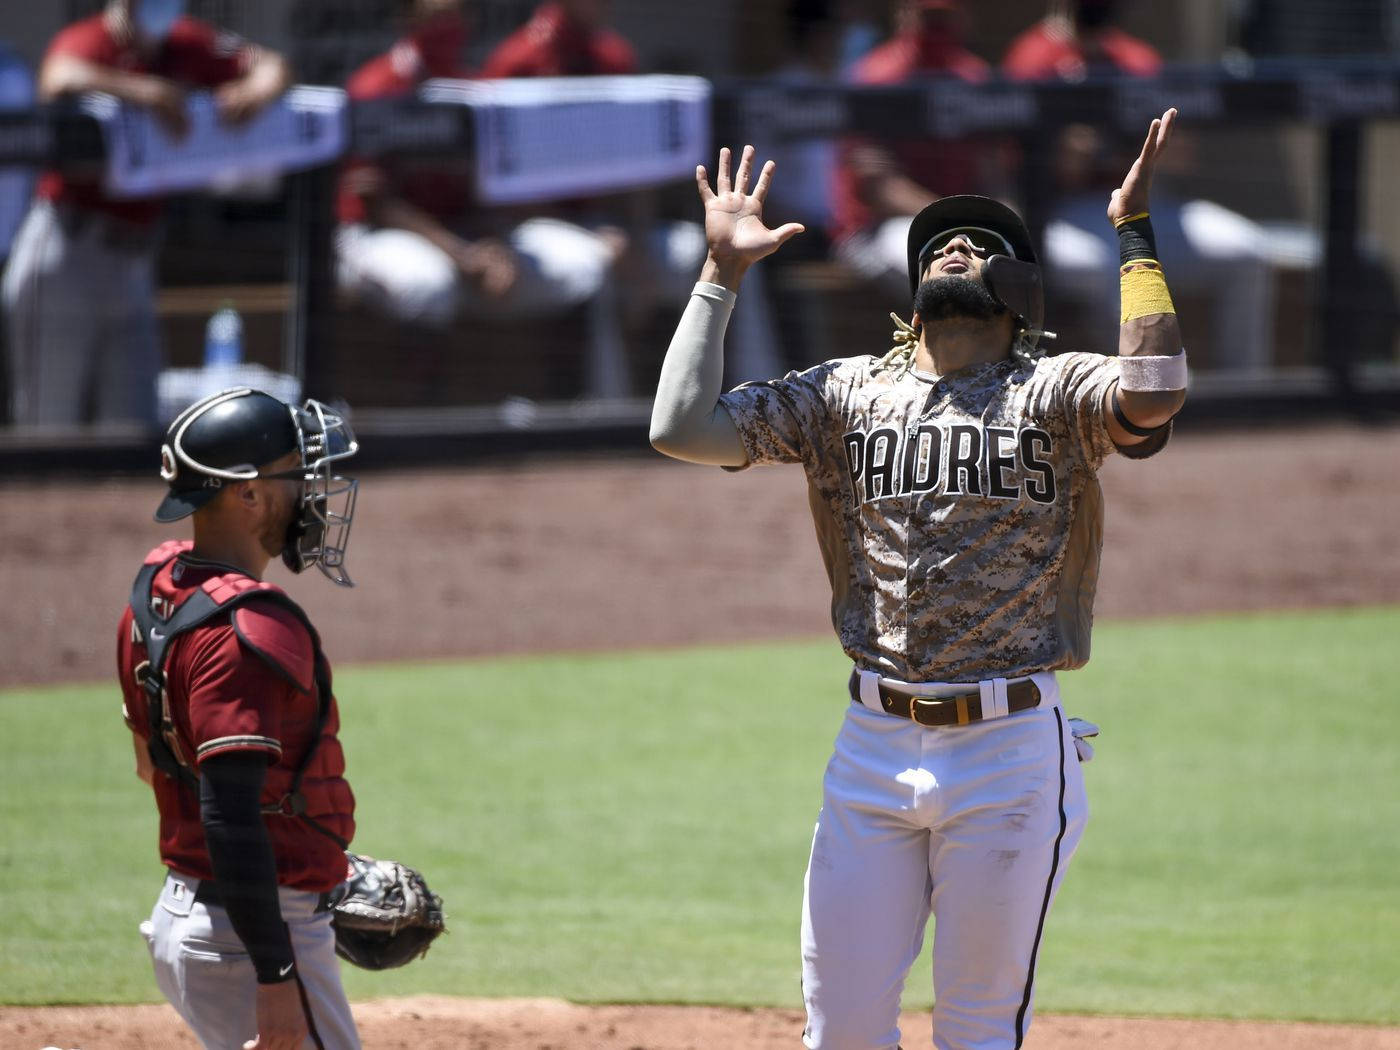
x=900, y=357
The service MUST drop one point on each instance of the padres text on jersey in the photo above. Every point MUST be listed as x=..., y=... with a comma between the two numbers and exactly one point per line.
x=956, y=459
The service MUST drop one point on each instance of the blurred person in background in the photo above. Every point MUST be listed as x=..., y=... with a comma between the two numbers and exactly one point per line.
x=813, y=57
x=16, y=184
x=1208, y=250
x=861, y=30
x=880, y=186
x=79, y=290
x=16, y=93
x=1076, y=38
x=659, y=256
x=814, y=32
x=563, y=38
x=414, y=244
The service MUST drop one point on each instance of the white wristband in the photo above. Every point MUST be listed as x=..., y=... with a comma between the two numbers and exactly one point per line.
x=717, y=292
x=1152, y=374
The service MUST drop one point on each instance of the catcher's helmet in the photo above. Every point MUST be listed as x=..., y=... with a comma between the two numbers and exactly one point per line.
x=226, y=437
x=1013, y=279
x=232, y=435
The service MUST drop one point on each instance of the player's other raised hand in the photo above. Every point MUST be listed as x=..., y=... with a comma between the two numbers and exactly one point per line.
x=1131, y=197
x=734, y=226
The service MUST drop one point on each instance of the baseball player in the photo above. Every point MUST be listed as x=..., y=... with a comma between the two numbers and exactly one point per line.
x=952, y=483
x=79, y=290
x=229, y=696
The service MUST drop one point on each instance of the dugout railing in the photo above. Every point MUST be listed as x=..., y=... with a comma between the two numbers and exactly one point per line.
x=1339, y=98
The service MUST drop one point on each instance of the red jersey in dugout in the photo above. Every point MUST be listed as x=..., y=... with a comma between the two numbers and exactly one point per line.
x=945, y=167
x=551, y=44
x=194, y=54
x=1045, y=52
x=225, y=695
x=440, y=186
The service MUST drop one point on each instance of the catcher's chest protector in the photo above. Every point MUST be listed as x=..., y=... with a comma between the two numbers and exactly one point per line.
x=158, y=624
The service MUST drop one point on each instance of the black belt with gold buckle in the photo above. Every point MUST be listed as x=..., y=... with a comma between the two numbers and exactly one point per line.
x=956, y=709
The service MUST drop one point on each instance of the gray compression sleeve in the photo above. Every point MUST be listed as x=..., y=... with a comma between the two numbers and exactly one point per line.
x=686, y=420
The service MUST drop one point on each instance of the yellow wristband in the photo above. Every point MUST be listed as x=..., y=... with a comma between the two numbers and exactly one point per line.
x=1144, y=292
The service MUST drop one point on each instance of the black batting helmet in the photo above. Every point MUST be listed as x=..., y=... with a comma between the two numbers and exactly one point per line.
x=1012, y=275
x=969, y=212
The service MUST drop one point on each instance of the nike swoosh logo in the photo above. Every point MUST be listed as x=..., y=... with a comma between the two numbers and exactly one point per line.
x=285, y=970
x=157, y=635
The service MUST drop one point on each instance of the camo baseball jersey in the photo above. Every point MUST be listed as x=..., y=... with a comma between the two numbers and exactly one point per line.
x=959, y=517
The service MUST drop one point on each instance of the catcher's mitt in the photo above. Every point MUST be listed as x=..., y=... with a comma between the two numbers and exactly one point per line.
x=384, y=914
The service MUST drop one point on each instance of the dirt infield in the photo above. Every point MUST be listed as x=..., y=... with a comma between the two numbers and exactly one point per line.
x=586, y=554
x=428, y=1023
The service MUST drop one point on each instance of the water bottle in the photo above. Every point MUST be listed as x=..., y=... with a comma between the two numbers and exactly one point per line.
x=223, y=338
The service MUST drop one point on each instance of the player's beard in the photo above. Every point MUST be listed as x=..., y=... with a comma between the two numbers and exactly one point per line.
x=277, y=525
x=955, y=297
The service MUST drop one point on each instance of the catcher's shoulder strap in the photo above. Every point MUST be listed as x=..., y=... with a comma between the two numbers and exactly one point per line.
x=158, y=625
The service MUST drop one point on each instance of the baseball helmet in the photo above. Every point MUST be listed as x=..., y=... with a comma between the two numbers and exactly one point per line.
x=233, y=435
x=1013, y=279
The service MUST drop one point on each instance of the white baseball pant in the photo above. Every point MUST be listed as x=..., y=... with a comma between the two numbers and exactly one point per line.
x=974, y=824
x=408, y=278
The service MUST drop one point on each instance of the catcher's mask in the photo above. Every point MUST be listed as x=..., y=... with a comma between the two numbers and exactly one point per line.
x=226, y=436
x=1012, y=273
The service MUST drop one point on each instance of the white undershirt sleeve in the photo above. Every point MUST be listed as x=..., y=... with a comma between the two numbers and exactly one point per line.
x=687, y=421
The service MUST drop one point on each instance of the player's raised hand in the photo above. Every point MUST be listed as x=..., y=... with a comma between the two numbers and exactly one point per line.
x=1131, y=197
x=734, y=228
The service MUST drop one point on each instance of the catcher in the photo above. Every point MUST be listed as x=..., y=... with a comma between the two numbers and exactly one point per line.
x=228, y=693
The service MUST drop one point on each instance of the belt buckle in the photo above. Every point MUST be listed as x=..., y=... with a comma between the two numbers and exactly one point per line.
x=935, y=703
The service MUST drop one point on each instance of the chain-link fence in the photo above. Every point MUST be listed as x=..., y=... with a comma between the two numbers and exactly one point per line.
x=1275, y=224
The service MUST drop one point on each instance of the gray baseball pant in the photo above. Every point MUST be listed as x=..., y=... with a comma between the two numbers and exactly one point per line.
x=203, y=969
x=79, y=303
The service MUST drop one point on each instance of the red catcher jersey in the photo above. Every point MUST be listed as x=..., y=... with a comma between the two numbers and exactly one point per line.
x=959, y=517
x=194, y=54
x=224, y=697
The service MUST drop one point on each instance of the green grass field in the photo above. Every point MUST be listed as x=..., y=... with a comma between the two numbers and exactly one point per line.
x=634, y=827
